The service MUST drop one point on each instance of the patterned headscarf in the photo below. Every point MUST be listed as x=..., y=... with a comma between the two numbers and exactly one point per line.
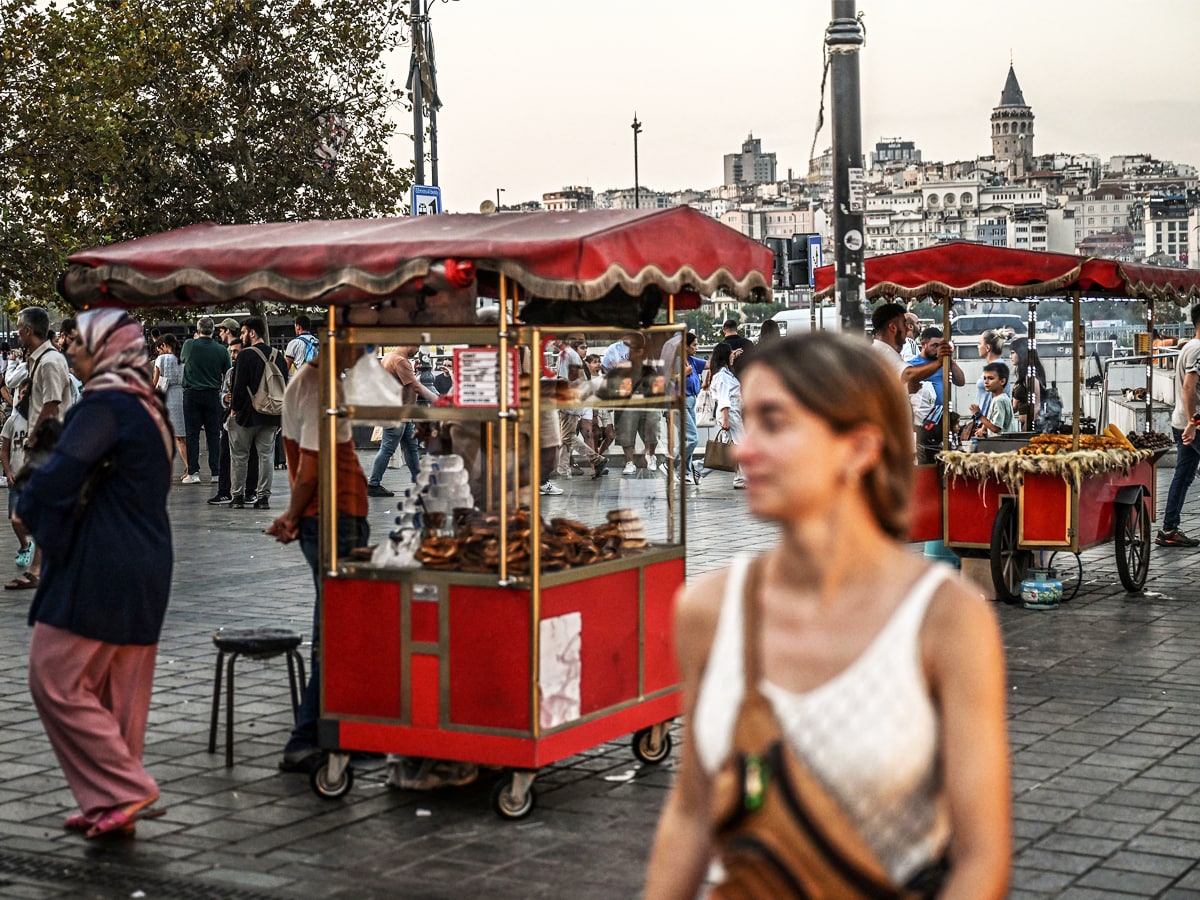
x=118, y=349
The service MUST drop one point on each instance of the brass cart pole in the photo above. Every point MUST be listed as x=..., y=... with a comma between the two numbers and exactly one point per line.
x=536, y=361
x=947, y=386
x=503, y=415
x=328, y=447
x=1149, y=366
x=1078, y=355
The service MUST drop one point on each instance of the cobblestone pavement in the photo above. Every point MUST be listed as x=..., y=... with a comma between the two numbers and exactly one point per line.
x=1105, y=711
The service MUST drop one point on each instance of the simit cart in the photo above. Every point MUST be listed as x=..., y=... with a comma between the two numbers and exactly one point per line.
x=529, y=632
x=1015, y=501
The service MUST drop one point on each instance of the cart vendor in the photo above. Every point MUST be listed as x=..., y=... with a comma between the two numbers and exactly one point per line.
x=931, y=345
x=302, y=419
x=890, y=328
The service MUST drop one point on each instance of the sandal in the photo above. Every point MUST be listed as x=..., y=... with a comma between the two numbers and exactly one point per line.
x=23, y=582
x=79, y=822
x=121, y=819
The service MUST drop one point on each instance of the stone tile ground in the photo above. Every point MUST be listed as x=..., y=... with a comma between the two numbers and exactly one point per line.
x=1104, y=719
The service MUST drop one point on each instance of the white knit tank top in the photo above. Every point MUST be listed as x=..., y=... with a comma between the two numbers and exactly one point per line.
x=870, y=733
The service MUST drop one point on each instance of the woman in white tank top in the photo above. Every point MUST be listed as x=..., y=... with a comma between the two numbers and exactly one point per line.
x=885, y=676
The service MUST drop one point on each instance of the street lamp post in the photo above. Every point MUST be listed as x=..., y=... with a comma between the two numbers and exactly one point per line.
x=637, y=191
x=417, y=101
x=499, y=191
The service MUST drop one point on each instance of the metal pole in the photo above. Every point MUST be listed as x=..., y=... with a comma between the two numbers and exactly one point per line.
x=433, y=103
x=637, y=191
x=417, y=100
x=843, y=38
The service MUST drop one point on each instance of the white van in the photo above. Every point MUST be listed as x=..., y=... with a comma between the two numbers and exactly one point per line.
x=797, y=321
x=969, y=326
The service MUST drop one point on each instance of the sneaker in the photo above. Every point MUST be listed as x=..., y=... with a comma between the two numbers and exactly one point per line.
x=237, y=501
x=304, y=762
x=190, y=479
x=213, y=479
x=600, y=467
x=576, y=470
x=219, y=499
x=378, y=490
x=1175, y=538
x=551, y=489
x=630, y=468
x=261, y=503
x=739, y=484
x=25, y=557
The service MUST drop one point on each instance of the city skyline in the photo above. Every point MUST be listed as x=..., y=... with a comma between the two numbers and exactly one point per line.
x=542, y=95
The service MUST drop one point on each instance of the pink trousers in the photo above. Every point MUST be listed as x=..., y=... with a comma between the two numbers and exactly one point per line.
x=93, y=699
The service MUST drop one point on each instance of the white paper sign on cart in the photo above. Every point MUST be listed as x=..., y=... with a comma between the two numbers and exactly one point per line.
x=560, y=669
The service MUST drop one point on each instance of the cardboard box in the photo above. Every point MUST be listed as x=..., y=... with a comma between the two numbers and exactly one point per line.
x=977, y=575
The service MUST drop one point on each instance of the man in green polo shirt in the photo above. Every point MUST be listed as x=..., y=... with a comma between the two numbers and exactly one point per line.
x=205, y=361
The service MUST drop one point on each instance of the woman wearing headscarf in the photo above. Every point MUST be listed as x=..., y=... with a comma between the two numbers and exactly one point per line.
x=97, y=508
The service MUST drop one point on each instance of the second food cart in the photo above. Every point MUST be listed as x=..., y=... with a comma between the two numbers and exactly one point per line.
x=1034, y=493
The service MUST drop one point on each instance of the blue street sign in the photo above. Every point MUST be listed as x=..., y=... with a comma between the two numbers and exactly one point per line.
x=815, y=259
x=426, y=200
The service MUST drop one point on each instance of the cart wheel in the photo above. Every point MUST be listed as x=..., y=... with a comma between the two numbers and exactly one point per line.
x=1068, y=568
x=507, y=800
x=1009, y=561
x=1133, y=545
x=331, y=786
x=644, y=747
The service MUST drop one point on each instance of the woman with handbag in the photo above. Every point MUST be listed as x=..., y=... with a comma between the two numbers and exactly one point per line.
x=168, y=381
x=98, y=510
x=845, y=700
x=728, y=393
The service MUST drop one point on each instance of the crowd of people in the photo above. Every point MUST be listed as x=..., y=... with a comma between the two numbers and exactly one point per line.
x=767, y=647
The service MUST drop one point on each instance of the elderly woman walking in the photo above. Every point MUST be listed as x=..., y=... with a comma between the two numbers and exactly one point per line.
x=97, y=508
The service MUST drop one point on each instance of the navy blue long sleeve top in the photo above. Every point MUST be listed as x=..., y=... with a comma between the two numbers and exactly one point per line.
x=106, y=575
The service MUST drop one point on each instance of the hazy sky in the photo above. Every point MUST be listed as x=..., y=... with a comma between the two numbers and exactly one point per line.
x=540, y=94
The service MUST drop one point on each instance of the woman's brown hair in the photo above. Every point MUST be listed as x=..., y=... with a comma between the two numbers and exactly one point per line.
x=842, y=381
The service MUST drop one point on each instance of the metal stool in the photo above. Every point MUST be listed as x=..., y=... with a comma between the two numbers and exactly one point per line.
x=255, y=643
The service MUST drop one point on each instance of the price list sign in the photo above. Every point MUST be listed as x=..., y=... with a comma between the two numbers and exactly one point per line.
x=477, y=377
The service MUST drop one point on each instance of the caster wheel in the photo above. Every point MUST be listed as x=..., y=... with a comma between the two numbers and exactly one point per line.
x=507, y=804
x=327, y=788
x=644, y=749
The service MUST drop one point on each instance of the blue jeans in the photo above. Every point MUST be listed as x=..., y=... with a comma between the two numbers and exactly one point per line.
x=202, y=409
x=352, y=531
x=691, y=437
x=402, y=436
x=1186, y=460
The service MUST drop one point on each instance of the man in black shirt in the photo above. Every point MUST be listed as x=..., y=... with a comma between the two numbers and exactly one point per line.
x=250, y=430
x=737, y=342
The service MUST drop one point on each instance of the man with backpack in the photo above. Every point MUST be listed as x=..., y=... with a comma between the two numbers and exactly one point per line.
x=259, y=379
x=304, y=346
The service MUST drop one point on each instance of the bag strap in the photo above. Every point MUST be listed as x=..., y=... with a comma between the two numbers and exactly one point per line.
x=751, y=630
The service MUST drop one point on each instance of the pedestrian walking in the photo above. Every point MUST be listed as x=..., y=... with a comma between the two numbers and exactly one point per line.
x=98, y=510
x=845, y=700
x=1185, y=418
